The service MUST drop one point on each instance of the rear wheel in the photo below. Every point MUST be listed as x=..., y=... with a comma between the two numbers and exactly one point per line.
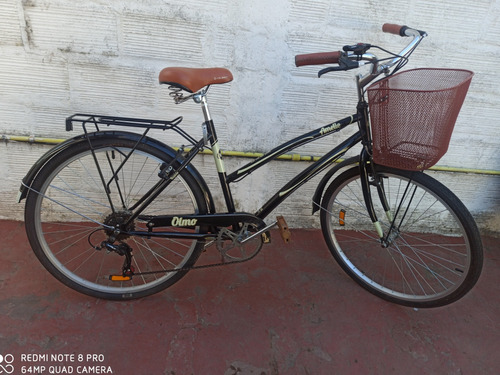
x=68, y=214
x=433, y=254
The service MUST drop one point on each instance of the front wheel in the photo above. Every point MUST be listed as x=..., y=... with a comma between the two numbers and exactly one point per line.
x=70, y=212
x=432, y=252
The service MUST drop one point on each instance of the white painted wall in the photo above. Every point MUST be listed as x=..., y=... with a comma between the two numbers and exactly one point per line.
x=60, y=57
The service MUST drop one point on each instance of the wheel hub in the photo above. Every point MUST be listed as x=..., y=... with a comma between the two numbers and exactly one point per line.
x=390, y=238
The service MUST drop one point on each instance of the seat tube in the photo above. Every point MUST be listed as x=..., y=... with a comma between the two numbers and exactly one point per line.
x=212, y=135
x=214, y=143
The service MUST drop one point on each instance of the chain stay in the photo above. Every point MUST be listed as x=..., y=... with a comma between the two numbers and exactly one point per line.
x=185, y=269
x=264, y=236
x=128, y=272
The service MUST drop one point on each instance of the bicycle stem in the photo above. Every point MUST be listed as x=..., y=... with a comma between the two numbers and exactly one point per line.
x=364, y=80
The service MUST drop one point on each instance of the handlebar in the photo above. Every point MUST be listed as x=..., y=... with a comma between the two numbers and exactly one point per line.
x=352, y=57
x=392, y=28
x=318, y=58
x=400, y=30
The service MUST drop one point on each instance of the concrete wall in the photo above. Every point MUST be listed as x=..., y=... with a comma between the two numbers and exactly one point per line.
x=61, y=57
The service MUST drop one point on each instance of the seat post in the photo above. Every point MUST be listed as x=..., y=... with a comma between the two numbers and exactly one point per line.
x=201, y=98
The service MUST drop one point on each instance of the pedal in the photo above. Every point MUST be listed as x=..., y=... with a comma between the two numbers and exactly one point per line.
x=284, y=231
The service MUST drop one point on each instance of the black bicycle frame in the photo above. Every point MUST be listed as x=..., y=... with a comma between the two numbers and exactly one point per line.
x=302, y=177
x=182, y=160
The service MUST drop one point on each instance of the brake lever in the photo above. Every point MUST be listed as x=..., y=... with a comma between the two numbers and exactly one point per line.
x=344, y=64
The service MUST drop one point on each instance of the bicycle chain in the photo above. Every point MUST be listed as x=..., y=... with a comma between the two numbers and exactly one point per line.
x=199, y=267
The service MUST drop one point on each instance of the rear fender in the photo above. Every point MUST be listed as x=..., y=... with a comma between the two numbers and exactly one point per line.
x=111, y=135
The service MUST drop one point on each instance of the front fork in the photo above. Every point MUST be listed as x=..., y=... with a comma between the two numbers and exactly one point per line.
x=365, y=167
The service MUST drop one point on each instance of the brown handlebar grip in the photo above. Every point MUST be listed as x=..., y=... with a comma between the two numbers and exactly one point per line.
x=318, y=58
x=392, y=28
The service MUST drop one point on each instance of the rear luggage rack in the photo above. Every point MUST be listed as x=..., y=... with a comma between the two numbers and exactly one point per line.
x=120, y=121
x=99, y=120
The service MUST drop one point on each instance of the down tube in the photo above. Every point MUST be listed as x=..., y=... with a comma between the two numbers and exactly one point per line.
x=307, y=175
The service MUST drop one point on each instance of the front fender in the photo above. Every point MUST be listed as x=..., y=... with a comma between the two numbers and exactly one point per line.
x=35, y=169
x=322, y=184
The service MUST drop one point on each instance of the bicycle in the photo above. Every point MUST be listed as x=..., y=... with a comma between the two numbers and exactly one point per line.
x=120, y=215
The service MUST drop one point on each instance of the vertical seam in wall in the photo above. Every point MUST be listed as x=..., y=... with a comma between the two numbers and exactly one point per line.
x=24, y=27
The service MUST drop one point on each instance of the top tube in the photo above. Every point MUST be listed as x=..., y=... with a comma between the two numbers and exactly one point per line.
x=291, y=145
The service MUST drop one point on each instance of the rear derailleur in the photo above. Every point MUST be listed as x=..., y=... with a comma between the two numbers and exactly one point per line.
x=121, y=249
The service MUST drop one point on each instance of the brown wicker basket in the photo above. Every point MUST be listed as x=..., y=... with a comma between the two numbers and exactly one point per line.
x=413, y=113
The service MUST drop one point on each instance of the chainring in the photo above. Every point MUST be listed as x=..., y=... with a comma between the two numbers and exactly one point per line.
x=230, y=246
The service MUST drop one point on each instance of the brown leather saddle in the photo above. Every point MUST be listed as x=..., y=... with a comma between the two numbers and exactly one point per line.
x=194, y=79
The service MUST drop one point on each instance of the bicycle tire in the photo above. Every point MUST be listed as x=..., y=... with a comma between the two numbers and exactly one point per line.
x=67, y=213
x=435, y=257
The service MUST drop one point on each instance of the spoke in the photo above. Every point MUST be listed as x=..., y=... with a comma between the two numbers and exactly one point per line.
x=80, y=238
x=444, y=246
x=158, y=256
x=84, y=199
x=90, y=250
x=76, y=228
x=405, y=282
x=67, y=246
x=79, y=196
x=422, y=217
x=354, y=197
x=145, y=259
x=66, y=207
x=97, y=184
x=137, y=175
x=138, y=268
x=411, y=265
x=424, y=212
x=99, y=273
x=338, y=203
x=423, y=265
x=369, y=237
x=434, y=258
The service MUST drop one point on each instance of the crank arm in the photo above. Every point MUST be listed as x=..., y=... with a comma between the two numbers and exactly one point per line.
x=258, y=233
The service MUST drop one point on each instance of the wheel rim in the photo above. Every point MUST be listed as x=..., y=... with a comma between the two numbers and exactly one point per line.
x=71, y=210
x=427, y=261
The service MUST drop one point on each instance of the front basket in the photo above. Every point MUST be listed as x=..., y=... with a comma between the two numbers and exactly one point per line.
x=413, y=113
